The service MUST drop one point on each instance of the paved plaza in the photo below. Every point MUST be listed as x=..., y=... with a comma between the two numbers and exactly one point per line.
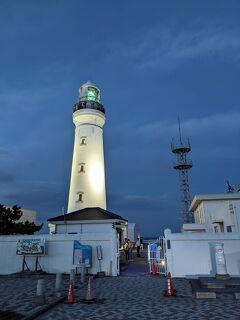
x=17, y=293
x=133, y=295
x=127, y=297
x=142, y=298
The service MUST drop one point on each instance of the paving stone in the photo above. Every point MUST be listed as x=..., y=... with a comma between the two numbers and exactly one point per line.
x=206, y=295
x=142, y=298
x=128, y=298
x=237, y=295
x=17, y=293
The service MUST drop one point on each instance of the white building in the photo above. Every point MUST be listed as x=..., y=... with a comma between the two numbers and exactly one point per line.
x=90, y=226
x=94, y=227
x=191, y=254
x=215, y=213
x=88, y=220
x=133, y=231
x=87, y=187
x=217, y=221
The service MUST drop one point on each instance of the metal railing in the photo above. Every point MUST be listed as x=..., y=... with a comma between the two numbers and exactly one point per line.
x=88, y=105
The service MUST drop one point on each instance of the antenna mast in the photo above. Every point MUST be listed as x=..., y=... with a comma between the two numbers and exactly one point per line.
x=183, y=165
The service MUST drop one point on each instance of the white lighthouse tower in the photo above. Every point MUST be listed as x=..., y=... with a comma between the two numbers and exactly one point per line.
x=87, y=186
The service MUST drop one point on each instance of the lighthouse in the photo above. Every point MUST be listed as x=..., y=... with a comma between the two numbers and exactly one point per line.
x=87, y=185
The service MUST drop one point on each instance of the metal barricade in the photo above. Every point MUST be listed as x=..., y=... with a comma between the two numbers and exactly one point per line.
x=157, y=256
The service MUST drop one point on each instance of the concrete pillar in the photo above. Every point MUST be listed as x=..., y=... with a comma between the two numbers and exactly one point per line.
x=83, y=272
x=72, y=275
x=110, y=268
x=40, y=297
x=220, y=260
x=167, y=232
x=58, y=285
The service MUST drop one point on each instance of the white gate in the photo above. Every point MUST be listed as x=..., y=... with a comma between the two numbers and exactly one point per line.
x=157, y=256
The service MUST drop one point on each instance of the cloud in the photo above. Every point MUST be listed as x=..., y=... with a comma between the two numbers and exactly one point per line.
x=214, y=126
x=211, y=137
x=6, y=177
x=47, y=197
x=136, y=201
x=227, y=123
x=7, y=163
x=22, y=98
x=5, y=155
x=147, y=211
x=165, y=48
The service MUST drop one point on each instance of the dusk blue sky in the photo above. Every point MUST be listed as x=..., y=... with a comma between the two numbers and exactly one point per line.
x=153, y=61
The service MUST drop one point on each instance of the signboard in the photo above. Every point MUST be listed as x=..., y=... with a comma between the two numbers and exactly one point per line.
x=31, y=247
x=82, y=254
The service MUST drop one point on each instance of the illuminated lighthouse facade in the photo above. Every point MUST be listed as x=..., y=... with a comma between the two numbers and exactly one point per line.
x=87, y=186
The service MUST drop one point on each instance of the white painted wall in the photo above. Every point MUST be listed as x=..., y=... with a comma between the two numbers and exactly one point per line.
x=133, y=231
x=59, y=248
x=91, y=182
x=191, y=254
x=211, y=212
x=84, y=227
x=219, y=210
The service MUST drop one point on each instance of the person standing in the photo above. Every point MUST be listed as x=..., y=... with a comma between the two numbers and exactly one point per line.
x=130, y=245
x=126, y=249
x=138, y=244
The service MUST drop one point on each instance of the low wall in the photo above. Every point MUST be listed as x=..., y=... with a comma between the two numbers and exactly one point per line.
x=59, y=253
x=192, y=254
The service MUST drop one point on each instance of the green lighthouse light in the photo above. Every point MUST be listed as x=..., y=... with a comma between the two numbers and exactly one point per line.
x=93, y=94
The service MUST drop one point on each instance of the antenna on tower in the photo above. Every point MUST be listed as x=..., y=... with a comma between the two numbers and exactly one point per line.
x=179, y=130
x=183, y=165
x=230, y=189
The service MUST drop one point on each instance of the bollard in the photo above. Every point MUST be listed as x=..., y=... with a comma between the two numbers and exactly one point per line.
x=220, y=262
x=40, y=297
x=72, y=275
x=83, y=272
x=89, y=296
x=110, y=267
x=58, y=285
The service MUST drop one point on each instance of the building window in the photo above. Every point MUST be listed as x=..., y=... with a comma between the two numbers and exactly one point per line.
x=80, y=197
x=168, y=244
x=229, y=228
x=83, y=141
x=218, y=226
x=81, y=167
x=201, y=215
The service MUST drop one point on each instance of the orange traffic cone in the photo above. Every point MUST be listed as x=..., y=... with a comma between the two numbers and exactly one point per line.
x=71, y=298
x=170, y=290
x=154, y=269
x=89, y=296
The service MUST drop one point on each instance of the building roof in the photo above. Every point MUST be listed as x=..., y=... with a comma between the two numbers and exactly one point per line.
x=88, y=83
x=88, y=214
x=212, y=197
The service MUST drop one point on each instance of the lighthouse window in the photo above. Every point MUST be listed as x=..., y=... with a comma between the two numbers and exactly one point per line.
x=81, y=167
x=93, y=94
x=83, y=141
x=80, y=197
